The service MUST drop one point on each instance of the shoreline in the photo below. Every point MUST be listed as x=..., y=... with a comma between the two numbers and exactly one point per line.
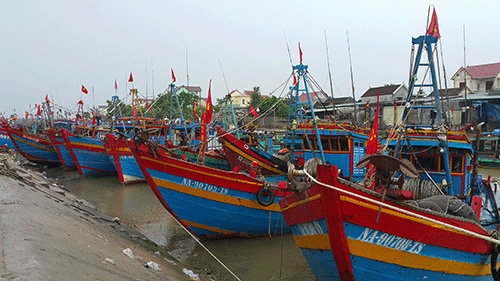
x=48, y=234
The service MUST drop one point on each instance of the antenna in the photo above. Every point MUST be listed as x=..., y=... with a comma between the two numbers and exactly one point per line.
x=328, y=63
x=288, y=49
x=465, y=81
x=352, y=79
x=187, y=68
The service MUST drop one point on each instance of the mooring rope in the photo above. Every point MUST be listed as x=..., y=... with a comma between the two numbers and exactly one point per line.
x=207, y=250
x=459, y=229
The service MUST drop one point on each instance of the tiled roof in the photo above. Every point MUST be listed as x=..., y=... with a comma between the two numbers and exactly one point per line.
x=195, y=89
x=484, y=70
x=314, y=95
x=453, y=92
x=384, y=90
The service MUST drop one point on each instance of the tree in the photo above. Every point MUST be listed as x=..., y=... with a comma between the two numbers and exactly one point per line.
x=256, y=97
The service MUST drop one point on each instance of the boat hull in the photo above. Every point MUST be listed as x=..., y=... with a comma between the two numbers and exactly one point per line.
x=62, y=151
x=122, y=158
x=241, y=154
x=89, y=155
x=34, y=148
x=211, y=203
x=345, y=236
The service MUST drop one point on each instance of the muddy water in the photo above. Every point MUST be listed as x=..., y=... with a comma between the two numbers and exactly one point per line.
x=276, y=258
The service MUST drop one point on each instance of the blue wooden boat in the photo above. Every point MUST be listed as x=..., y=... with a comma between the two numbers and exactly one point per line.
x=88, y=154
x=5, y=141
x=421, y=213
x=211, y=203
x=35, y=148
x=57, y=140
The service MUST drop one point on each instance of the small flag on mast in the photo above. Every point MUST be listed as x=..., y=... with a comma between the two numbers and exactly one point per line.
x=208, y=110
x=116, y=85
x=131, y=78
x=173, y=76
x=84, y=90
x=300, y=54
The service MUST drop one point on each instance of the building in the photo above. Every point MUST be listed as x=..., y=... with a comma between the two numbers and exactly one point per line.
x=479, y=79
x=240, y=99
x=388, y=94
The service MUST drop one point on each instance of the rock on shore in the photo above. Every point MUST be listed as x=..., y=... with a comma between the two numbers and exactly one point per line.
x=47, y=234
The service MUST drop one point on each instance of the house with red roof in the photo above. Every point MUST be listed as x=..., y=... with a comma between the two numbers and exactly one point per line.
x=479, y=79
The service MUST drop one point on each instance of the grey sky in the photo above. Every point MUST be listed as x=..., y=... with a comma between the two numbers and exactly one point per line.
x=54, y=47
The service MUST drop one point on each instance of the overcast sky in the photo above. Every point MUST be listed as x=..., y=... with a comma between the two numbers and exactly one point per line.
x=53, y=47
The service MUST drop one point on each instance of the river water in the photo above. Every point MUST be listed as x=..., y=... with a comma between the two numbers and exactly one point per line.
x=276, y=258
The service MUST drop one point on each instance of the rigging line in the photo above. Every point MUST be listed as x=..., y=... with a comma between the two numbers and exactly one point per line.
x=352, y=79
x=445, y=86
x=313, y=82
x=282, y=86
x=406, y=212
x=224, y=76
x=328, y=63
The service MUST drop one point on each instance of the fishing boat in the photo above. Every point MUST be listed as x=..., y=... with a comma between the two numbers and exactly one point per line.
x=121, y=157
x=488, y=149
x=211, y=203
x=5, y=141
x=242, y=154
x=88, y=154
x=34, y=144
x=36, y=148
x=307, y=137
x=401, y=222
x=57, y=140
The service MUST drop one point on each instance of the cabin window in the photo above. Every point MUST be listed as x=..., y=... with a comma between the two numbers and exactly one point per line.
x=428, y=162
x=456, y=164
x=344, y=144
x=329, y=144
x=326, y=145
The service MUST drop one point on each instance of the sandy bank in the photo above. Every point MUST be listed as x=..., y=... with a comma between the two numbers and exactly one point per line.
x=48, y=234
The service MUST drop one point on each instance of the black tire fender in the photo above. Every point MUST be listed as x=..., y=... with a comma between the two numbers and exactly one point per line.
x=265, y=196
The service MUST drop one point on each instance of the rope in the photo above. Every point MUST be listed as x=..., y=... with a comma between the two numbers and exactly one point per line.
x=410, y=213
x=207, y=250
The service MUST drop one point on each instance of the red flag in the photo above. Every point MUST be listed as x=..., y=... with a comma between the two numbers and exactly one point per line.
x=208, y=110
x=47, y=98
x=433, y=29
x=39, y=110
x=173, y=76
x=372, y=143
x=254, y=112
x=194, y=110
x=300, y=54
x=93, y=119
x=116, y=85
x=131, y=78
x=84, y=90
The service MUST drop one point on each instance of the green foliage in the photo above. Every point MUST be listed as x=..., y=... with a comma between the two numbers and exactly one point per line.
x=255, y=97
x=280, y=109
